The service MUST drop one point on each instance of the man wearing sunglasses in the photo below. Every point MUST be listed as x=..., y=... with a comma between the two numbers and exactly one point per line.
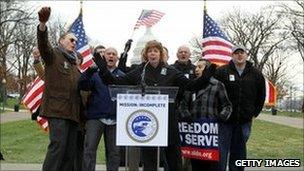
x=61, y=99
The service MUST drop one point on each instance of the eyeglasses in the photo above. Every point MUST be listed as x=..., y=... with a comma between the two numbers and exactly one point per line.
x=73, y=40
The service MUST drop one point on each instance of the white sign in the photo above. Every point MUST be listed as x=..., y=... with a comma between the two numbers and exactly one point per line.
x=142, y=120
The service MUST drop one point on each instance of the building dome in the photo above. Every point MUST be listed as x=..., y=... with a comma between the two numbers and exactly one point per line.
x=136, y=59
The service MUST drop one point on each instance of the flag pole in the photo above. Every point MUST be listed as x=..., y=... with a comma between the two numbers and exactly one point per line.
x=204, y=13
x=132, y=33
x=81, y=3
x=127, y=49
x=205, y=6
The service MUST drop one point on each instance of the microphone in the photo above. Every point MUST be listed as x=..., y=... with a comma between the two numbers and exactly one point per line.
x=142, y=81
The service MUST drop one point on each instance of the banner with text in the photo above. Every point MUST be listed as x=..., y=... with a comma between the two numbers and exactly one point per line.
x=199, y=139
x=142, y=120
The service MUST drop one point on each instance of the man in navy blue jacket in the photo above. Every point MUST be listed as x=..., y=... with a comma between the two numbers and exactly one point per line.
x=101, y=115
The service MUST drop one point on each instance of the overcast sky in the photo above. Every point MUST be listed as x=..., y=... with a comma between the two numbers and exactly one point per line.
x=111, y=22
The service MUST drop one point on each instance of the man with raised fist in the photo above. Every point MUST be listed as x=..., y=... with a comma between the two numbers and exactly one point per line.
x=61, y=100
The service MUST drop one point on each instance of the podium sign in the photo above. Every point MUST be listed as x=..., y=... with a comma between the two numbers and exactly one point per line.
x=142, y=120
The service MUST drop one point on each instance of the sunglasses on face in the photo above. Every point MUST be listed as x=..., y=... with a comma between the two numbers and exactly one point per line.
x=73, y=40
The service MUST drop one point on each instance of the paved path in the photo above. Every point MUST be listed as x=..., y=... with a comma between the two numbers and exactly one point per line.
x=14, y=116
x=283, y=120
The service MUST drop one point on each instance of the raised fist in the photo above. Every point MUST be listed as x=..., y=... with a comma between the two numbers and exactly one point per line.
x=44, y=14
x=100, y=61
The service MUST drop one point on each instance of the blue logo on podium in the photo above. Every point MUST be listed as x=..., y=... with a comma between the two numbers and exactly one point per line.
x=142, y=126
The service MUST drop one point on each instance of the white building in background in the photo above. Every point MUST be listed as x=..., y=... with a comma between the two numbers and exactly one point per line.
x=136, y=59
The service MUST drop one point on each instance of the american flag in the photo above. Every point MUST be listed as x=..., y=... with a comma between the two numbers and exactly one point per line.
x=82, y=43
x=217, y=49
x=33, y=97
x=216, y=46
x=32, y=100
x=148, y=18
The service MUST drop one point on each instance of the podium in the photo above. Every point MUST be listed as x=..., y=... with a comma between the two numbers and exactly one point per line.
x=142, y=116
x=127, y=89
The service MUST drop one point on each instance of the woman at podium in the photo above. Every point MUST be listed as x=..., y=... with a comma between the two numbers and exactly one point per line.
x=155, y=72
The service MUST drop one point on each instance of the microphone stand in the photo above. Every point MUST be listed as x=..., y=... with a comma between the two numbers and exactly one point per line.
x=142, y=81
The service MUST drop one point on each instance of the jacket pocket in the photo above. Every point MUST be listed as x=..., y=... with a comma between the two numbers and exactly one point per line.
x=65, y=68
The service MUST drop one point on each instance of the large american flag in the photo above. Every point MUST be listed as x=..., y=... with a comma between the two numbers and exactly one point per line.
x=33, y=96
x=148, y=18
x=216, y=46
x=82, y=43
x=217, y=49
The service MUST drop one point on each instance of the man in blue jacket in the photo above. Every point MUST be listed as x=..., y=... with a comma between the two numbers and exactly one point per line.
x=101, y=115
x=245, y=87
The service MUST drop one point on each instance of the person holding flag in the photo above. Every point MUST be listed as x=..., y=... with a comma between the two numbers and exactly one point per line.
x=61, y=100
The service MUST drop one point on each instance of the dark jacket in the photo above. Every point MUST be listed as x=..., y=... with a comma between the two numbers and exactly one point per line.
x=61, y=97
x=246, y=92
x=99, y=104
x=187, y=69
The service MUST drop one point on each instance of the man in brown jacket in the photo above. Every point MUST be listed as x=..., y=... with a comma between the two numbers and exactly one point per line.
x=61, y=99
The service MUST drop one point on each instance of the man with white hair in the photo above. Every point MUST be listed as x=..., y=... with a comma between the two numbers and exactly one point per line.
x=183, y=62
x=100, y=114
x=61, y=100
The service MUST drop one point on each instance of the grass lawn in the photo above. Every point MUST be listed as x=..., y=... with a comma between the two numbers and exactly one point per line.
x=274, y=141
x=25, y=142
x=286, y=113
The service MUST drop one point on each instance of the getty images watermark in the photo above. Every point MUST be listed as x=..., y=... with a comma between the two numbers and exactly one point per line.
x=268, y=163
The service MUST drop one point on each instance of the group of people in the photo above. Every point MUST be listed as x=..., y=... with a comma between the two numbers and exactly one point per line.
x=79, y=108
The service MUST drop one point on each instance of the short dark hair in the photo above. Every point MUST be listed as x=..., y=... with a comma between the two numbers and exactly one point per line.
x=208, y=63
x=99, y=47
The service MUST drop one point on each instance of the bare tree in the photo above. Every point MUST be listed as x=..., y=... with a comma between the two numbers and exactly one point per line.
x=261, y=33
x=56, y=28
x=294, y=15
x=17, y=39
x=294, y=19
x=276, y=71
x=12, y=15
x=196, y=48
x=23, y=51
